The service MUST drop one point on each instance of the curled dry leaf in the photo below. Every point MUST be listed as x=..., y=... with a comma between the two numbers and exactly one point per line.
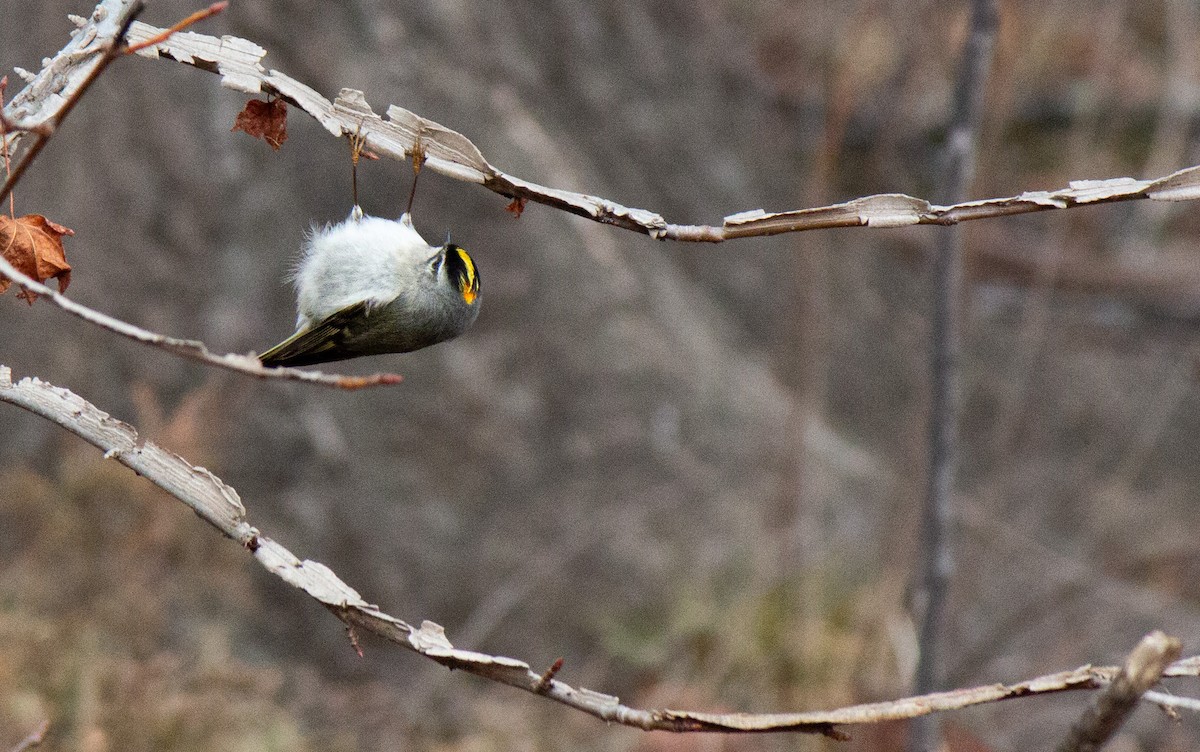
x=33, y=244
x=265, y=120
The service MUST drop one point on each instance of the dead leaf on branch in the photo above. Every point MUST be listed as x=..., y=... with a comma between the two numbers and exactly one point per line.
x=516, y=207
x=33, y=244
x=265, y=120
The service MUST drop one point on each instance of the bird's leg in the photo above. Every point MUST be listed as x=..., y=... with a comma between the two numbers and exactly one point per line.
x=358, y=142
x=418, y=159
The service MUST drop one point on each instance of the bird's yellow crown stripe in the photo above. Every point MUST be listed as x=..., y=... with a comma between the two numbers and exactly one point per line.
x=470, y=284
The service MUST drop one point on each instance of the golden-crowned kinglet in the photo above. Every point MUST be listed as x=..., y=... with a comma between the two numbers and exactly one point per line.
x=369, y=285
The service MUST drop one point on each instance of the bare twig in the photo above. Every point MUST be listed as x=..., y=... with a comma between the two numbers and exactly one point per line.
x=5, y=125
x=1170, y=702
x=109, y=51
x=196, y=17
x=548, y=677
x=192, y=349
x=35, y=738
x=937, y=558
x=219, y=505
x=1142, y=670
x=352, y=636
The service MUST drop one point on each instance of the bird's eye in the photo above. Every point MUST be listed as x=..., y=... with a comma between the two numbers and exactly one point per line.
x=435, y=263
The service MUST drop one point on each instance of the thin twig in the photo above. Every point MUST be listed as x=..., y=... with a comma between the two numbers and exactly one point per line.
x=548, y=676
x=5, y=126
x=353, y=637
x=192, y=349
x=1172, y=701
x=110, y=52
x=113, y=49
x=1142, y=670
x=937, y=559
x=199, y=15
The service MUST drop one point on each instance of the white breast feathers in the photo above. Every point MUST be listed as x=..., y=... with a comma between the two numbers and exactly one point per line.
x=361, y=258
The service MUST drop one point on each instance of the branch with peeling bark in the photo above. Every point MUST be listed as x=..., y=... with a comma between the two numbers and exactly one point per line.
x=239, y=63
x=219, y=505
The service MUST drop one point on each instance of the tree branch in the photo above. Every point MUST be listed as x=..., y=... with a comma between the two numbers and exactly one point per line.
x=107, y=50
x=945, y=350
x=219, y=505
x=238, y=62
x=1142, y=670
x=1170, y=702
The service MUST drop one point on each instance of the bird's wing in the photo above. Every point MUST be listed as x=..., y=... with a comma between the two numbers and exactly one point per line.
x=317, y=344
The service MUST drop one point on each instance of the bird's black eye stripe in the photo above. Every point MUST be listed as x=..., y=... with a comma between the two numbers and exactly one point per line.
x=435, y=263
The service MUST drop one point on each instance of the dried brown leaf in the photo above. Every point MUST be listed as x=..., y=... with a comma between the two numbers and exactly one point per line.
x=516, y=207
x=265, y=120
x=33, y=244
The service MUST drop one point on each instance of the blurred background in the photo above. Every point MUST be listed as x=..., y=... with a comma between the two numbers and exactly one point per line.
x=692, y=471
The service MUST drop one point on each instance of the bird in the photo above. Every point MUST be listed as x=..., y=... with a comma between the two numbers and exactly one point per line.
x=371, y=285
